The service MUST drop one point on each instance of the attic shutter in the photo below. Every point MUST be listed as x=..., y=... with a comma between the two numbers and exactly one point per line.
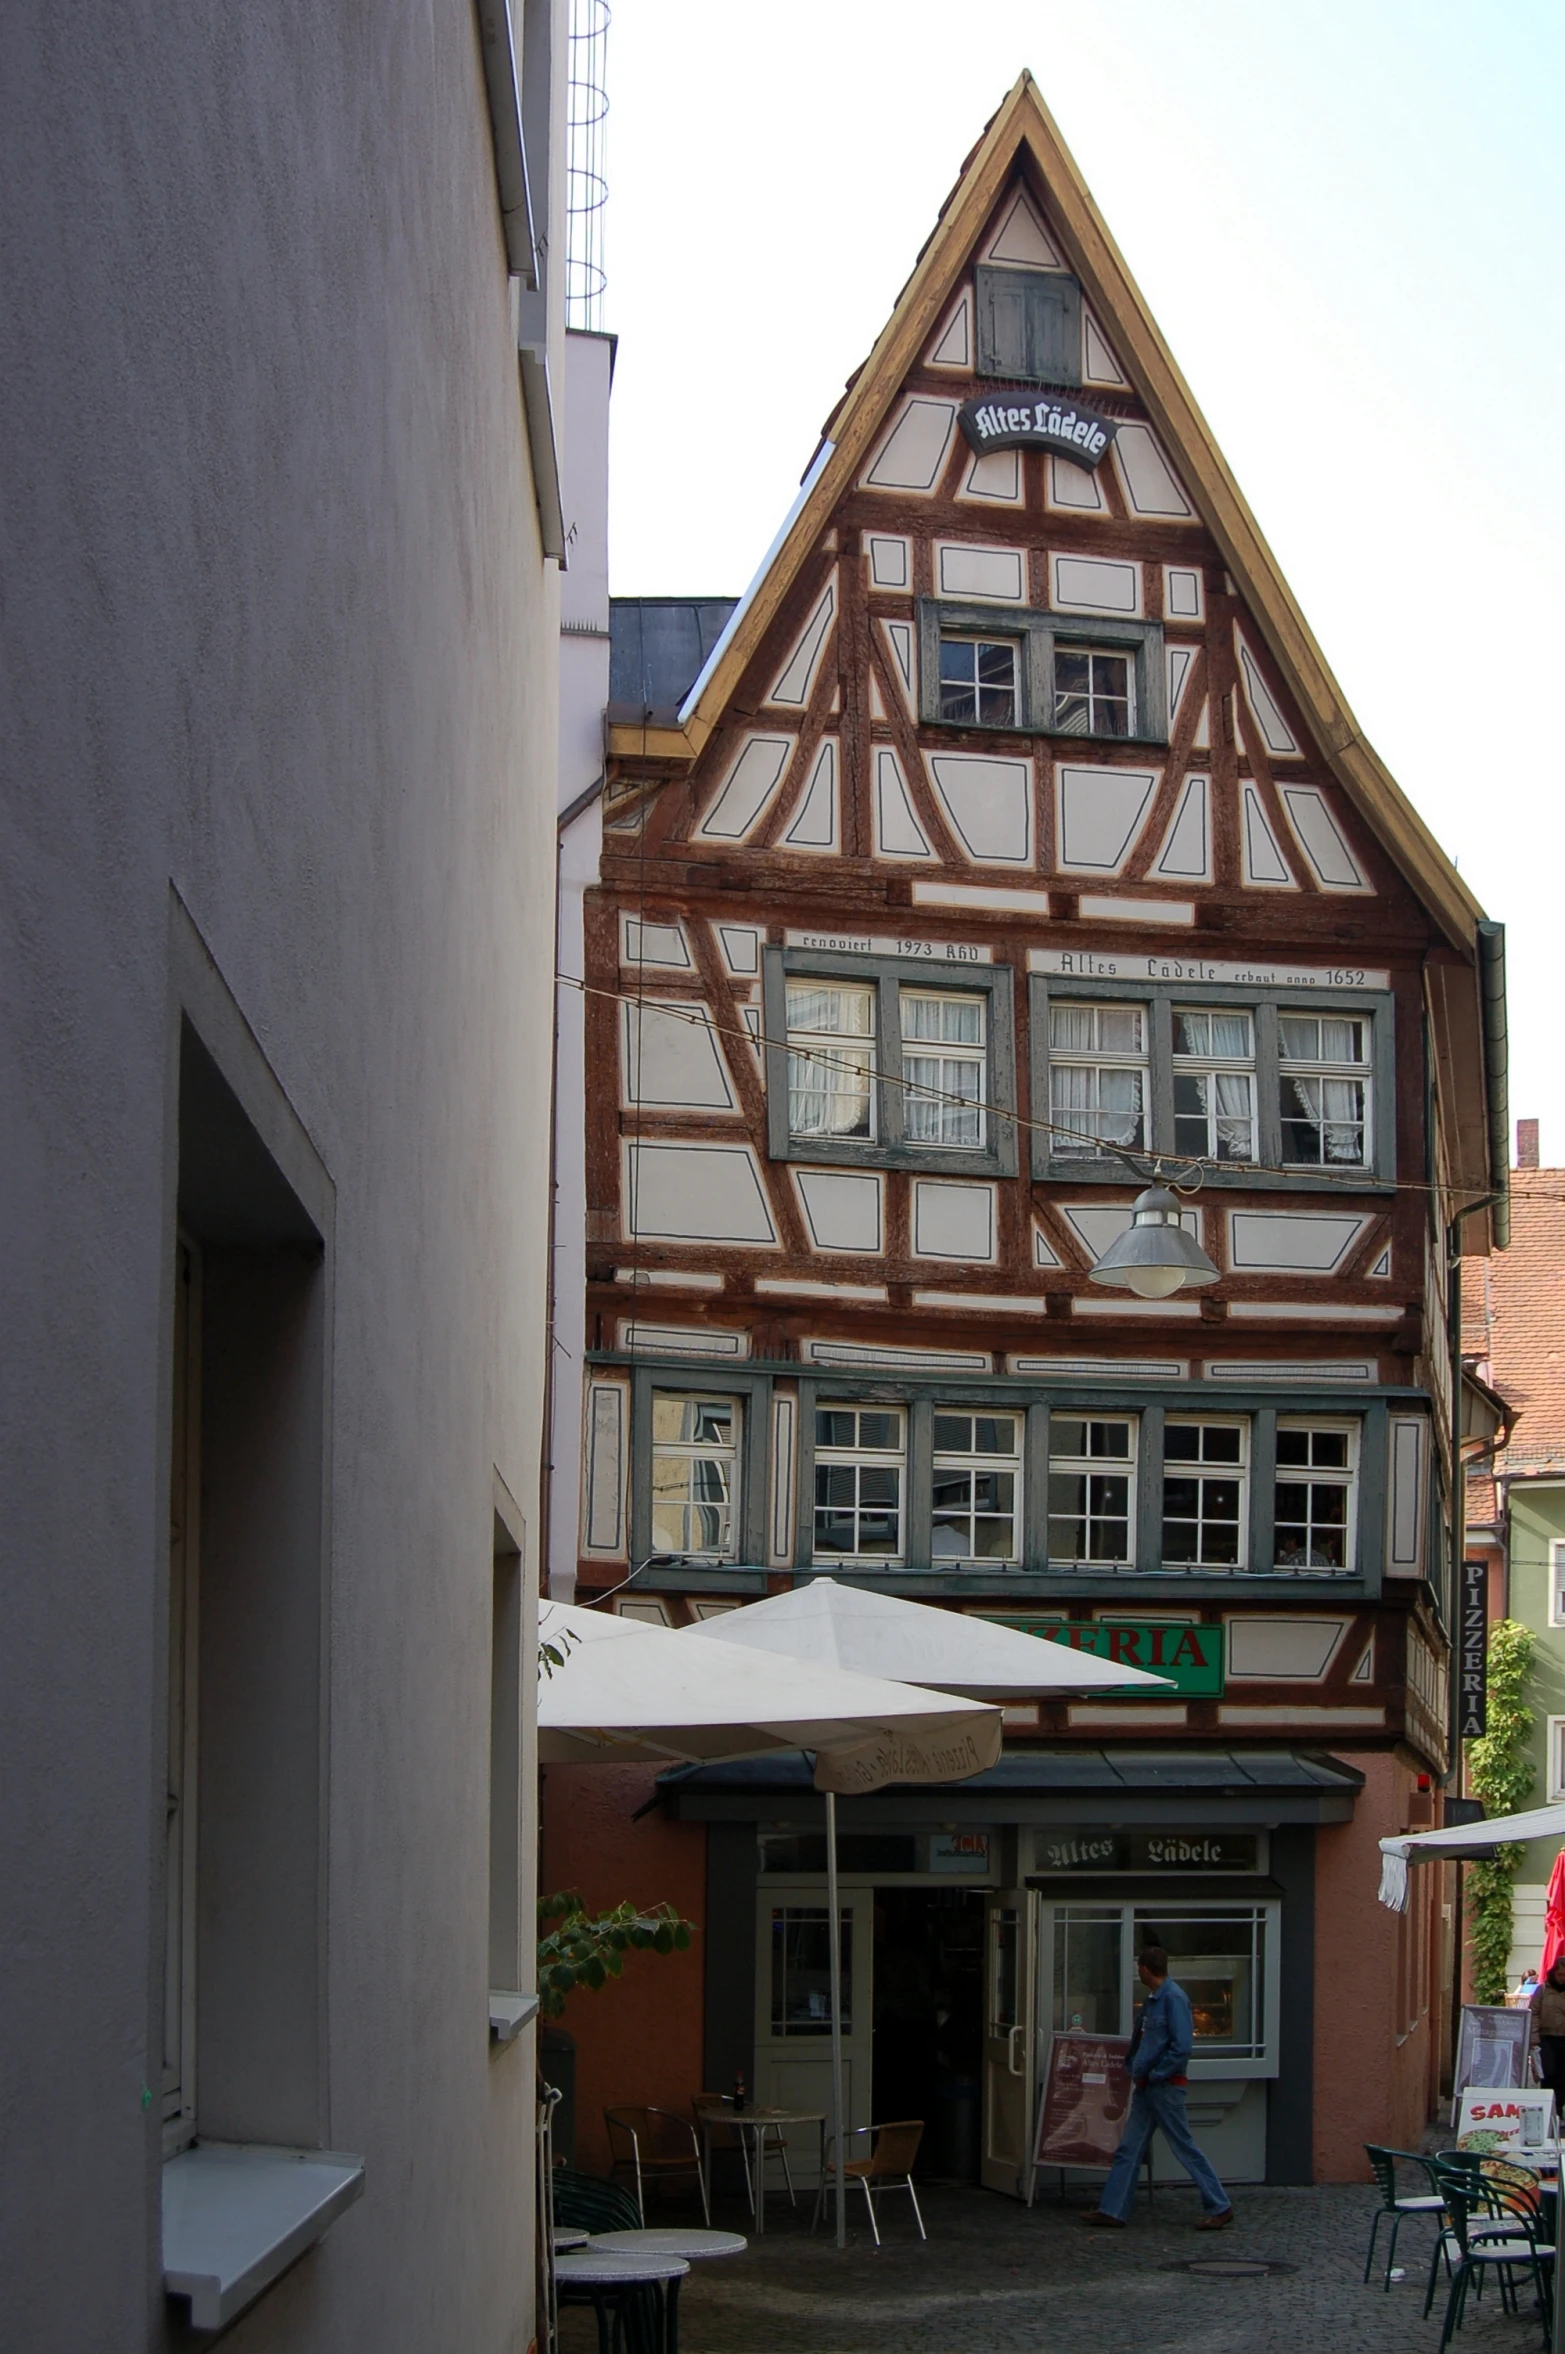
x=1029, y=325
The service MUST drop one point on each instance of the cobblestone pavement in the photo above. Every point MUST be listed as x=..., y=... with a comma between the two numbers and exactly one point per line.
x=995, y=2279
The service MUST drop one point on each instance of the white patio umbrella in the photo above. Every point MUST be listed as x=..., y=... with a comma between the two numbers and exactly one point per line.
x=627, y=1691
x=1460, y=1843
x=834, y=1626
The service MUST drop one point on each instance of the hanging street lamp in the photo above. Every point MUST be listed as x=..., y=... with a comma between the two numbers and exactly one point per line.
x=1155, y=1256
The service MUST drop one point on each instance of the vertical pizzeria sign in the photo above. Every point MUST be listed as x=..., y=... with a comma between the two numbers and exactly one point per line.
x=1472, y=1711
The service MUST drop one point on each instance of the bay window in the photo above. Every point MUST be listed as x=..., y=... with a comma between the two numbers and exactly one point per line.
x=976, y=1490
x=1204, y=1502
x=695, y=1475
x=1316, y=1478
x=1091, y=1489
x=860, y=1454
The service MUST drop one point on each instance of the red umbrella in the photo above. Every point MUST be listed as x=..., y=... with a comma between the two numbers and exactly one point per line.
x=1554, y=1916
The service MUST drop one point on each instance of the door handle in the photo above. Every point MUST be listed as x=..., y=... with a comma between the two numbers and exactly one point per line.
x=1010, y=2051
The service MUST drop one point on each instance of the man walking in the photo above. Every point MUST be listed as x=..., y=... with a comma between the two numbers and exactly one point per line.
x=1157, y=2059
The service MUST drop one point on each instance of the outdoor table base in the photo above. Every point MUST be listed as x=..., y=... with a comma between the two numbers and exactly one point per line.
x=601, y=2278
x=759, y=2123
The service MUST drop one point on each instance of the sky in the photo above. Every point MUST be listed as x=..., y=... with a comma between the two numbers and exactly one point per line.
x=1347, y=217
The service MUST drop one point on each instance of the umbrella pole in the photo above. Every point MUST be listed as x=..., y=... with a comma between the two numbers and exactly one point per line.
x=834, y=1931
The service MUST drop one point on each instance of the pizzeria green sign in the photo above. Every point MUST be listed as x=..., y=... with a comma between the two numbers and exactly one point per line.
x=1191, y=1657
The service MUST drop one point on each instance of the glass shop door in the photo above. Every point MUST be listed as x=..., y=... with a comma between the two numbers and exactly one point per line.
x=1009, y=1974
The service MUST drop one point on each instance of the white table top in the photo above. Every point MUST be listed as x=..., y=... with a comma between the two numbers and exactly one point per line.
x=672, y=2240
x=609, y=2264
x=565, y=2241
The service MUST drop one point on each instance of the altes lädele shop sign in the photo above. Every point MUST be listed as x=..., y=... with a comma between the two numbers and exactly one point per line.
x=1012, y=419
x=1191, y=1657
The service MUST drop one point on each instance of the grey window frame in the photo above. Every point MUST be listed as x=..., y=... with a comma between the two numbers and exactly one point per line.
x=1054, y=296
x=1160, y=996
x=702, y=1377
x=887, y=1149
x=919, y=1394
x=1037, y=632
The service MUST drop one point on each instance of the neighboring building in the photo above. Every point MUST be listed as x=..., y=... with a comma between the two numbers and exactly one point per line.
x=1513, y=1335
x=1013, y=818
x=280, y=693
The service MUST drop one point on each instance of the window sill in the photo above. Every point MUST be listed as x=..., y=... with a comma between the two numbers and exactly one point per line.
x=509, y=2014
x=236, y=2215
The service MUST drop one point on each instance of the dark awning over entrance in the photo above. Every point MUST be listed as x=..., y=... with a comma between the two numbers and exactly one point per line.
x=1069, y=1784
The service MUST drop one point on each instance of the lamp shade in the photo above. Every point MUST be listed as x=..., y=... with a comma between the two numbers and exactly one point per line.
x=1155, y=1256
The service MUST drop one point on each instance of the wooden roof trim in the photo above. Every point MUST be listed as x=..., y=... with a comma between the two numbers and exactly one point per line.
x=1024, y=126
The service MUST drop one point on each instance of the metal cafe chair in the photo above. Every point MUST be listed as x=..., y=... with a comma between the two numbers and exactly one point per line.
x=720, y=2111
x=888, y=2165
x=658, y=2150
x=1384, y=2164
x=1496, y=2221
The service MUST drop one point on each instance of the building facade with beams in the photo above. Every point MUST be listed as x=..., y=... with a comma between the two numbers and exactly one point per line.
x=1013, y=837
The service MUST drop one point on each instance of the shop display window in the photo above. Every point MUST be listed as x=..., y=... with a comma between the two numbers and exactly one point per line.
x=1221, y=1954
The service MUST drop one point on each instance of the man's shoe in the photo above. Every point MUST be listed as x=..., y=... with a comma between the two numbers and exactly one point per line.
x=1216, y=2222
x=1105, y=2222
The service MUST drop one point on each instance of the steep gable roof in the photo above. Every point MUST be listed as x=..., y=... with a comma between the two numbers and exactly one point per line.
x=1023, y=133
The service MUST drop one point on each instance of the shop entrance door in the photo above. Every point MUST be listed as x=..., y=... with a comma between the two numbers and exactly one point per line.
x=1010, y=1970
x=792, y=2021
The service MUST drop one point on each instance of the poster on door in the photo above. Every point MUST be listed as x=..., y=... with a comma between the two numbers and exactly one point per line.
x=1085, y=2097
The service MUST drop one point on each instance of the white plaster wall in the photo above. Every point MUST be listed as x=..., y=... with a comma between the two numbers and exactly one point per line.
x=584, y=690
x=278, y=631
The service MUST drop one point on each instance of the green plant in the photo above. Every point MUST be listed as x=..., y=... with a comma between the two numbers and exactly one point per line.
x=578, y=1948
x=1501, y=1773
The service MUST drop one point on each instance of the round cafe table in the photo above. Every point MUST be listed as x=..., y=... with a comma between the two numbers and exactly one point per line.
x=600, y=2278
x=672, y=2240
x=757, y=2123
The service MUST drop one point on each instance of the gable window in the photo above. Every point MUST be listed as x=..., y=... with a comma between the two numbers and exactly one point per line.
x=1214, y=1084
x=1203, y=1494
x=1047, y=673
x=1092, y=1462
x=977, y=1474
x=1324, y=1093
x=1093, y=693
x=831, y=1049
x=942, y=1068
x=1097, y=1078
x=880, y=1060
x=978, y=682
x=860, y=1455
x=695, y=1476
x=1315, y=1495
x=1029, y=325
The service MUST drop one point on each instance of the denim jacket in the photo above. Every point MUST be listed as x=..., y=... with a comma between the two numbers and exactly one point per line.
x=1164, y=2036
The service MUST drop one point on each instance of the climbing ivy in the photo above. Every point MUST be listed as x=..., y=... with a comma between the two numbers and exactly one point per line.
x=1501, y=1773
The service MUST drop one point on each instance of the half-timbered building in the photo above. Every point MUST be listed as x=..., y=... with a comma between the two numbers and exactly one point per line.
x=1011, y=841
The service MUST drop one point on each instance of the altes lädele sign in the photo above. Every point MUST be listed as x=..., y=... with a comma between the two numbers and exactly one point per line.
x=1011, y=419
x=1191, y=1657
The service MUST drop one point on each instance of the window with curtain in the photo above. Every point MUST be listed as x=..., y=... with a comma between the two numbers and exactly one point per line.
x=1097, y=1078
x=1214, y=1084
x=1324, y=1089
x=942, y=1068
x=831, y=1060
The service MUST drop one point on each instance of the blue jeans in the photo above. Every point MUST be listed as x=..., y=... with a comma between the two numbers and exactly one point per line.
x=1154, y=2107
